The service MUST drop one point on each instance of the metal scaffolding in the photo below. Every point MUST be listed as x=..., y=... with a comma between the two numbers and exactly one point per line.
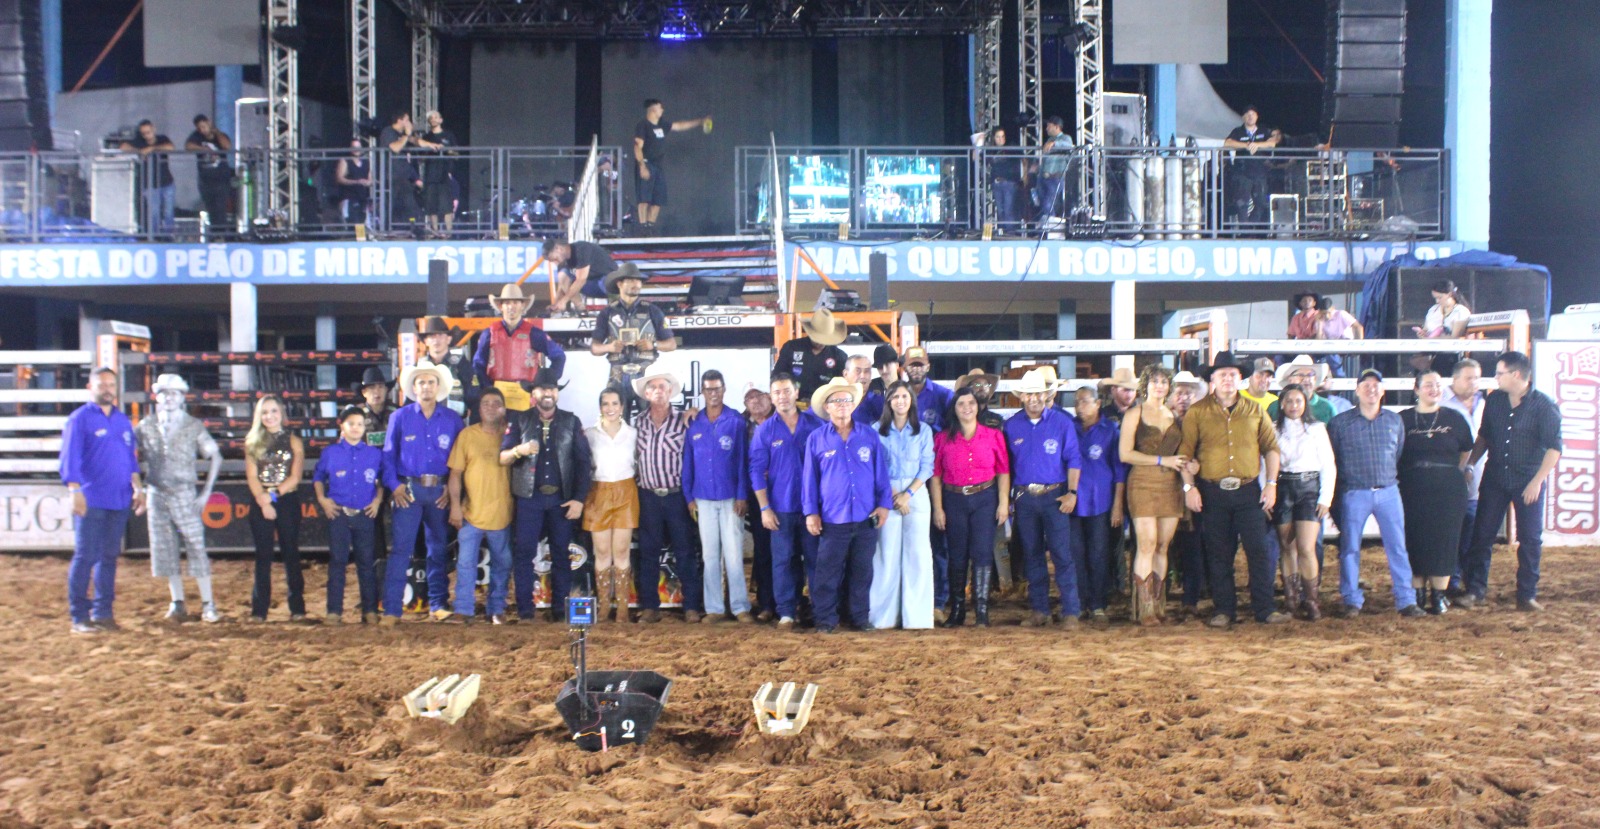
x=986, y=68
x=363, y=60
x=688, y=19
x=424, y=69
x=1030, y=72
x=1089, y=76
x=283, y=112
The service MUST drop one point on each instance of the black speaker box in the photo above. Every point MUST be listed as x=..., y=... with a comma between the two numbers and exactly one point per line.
x=626, y=703
x=1369, y=81
x=1370, y=56
x=1355, y=135
x=1370, y=29
x=1376, y=7
x=24, y=109
x=1370, y=108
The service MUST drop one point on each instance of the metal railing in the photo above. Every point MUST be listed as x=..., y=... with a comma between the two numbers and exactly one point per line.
x=1133, y=192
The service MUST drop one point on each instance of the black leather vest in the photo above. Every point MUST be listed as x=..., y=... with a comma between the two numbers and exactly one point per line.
x=565, y=430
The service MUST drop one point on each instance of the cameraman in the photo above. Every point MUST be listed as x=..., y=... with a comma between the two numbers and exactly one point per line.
x=404, y=207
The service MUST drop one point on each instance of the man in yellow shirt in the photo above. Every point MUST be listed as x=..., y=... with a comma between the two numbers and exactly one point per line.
x=1258, y=389
x=480, y=509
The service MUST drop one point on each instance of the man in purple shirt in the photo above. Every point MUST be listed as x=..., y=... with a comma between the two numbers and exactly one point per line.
x=715, y=487
x=1044, y=477
x=101, y=470
x=844, y=490
x=1101, y=478
x=776, y=457
x=416, y=465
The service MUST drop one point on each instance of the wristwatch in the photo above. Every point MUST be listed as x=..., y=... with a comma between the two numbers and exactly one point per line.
x=1187, y=487
x=1072, y=492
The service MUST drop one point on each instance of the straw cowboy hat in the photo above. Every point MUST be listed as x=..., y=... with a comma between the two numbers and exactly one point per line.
x=824, y=329
x=627, y=271
x=169, y=382
x=510, y=293
x=819, y=398
x=1122, y=378
x=674, y=388
x=974, y=376
x=1186, y=378
x=1040, y=380
x=1300, y=362
x=408, y=378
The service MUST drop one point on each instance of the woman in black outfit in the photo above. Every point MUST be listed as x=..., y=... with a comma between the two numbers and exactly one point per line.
x=1433, y=488
x=274, y=459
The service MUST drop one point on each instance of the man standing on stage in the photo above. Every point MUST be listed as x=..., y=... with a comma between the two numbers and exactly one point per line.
x=663, y=514
x=815, y=358
x=437, y=338
x=1230, y=436
x=1045, y=465
x=715, y=487
x=630, y=333
x=650, y=155
x=777, y=455
x=416, y=455
x=511, y=354
x=582, y=269
x=100, y=469
x=169, y=443
x=211, y=165
x=846, y=495
x=1521, y=437
x=551, y=473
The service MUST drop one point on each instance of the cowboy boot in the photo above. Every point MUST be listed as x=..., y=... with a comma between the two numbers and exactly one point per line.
x=981, y=577
x=1158, y=597
x=1002, y=566
x=1308, y=598
x=958, y=598
x=1145, y=601
x=1292, y=593
x=623, y=578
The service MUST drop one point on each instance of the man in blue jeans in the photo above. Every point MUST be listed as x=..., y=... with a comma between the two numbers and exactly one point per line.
x=776, y=456
x=1521, y=437
x=480, y=508
x=1464, y=396
x=1045, y=467
x=663, y=513
x=346, y=483
x=1367, y=441
x=416, y=455
x=101, y=470
x=552, y=472
x=846, y=495
x=715, y=486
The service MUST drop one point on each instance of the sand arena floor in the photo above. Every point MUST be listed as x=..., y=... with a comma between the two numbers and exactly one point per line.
x=1485, y=718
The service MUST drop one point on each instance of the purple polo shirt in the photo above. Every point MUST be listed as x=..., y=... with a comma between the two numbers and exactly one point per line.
x=844, y=481
x=932, y=402
x=97, y=454
x=1041, y=453
x=713, y=457
x=418, y=445
x=777, y=457
x=1102, y=468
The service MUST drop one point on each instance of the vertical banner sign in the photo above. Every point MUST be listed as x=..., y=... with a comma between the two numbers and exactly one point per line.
x=1570, y=373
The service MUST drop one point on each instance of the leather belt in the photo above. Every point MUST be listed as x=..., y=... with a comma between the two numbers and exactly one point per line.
x=975, y=488
x=549, y=490
x=350, y=511
x=1226, y=484
x=1433, y=465
x=425, y=480
x=1299, y=476
x=665, y=491
x=1038, y=489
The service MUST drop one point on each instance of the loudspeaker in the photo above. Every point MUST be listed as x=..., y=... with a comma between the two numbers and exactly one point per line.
x=438, y=288
x=1366, y=72
x=626, y=704
x=24, y=107
x=1383, y=109
x=1372, y=136
x=878, y=286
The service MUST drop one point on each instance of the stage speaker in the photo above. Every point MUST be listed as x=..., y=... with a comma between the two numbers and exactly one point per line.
x=878, y=285
x=24, y=107
x=1484, y=290
x=1366, y=72
x=438, y=288
x=626, y=704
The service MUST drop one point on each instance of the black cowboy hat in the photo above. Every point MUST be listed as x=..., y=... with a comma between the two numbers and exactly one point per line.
x=372, y=376
x=435, y=325
x=546, y=378
x=1227, y=359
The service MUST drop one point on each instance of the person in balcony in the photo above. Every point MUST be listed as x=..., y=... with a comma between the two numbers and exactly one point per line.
x=159, y=191
x=1249, y=174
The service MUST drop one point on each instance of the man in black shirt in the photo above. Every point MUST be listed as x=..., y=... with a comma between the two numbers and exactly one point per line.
x=1521, y=434
x=582, y=268
x=1007, y=177
x=1249, y=175
x=216, y=177
x=158, y=190
x=650, y=155
x=630, y=334
x=816, y=358
x=438, y=178
x=406, y=180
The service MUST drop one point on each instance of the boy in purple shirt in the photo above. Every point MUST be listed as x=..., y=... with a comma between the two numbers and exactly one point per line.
x=1100, y=490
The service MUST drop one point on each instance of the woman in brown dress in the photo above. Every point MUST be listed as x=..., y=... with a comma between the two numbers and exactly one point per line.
x=1150, y=437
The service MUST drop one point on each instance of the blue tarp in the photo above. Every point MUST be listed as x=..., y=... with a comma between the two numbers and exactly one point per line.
x=56, y=228
x=1377, y=310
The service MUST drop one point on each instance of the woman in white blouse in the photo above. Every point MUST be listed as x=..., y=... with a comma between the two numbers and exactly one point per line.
x=611, y=513
x=1306, y=477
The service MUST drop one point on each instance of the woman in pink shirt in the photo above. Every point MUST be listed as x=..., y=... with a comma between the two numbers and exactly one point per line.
x=971, y=491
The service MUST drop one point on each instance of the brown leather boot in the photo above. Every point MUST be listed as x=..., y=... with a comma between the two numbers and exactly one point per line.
x=1144, y=600
x=1308, y=599
x=623, y=579
x=1292, y=591
x=1158, y=597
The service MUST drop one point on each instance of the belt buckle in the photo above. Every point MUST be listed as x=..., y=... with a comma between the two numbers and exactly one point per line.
x=1229, y=484
x=549, y=490
x=350, y=512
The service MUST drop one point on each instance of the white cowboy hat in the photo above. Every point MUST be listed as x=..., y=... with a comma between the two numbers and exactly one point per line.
x=1186, y=378
x=1300, y=362
x=512, y=292
x=819, y=398
x=169, y=382
x=824, y=329
x=447, y=381
x=1036, y=381
x=675, y=389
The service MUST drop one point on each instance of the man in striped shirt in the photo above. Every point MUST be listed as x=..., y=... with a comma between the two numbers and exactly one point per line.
x=663, y=512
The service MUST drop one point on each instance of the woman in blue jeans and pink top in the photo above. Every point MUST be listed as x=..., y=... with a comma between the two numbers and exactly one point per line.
x=902, y=570
x=971, y=497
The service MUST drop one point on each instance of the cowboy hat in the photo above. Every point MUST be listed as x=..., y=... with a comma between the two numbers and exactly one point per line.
x=408, y=378
x=1226, y=359
x=169, y=382
x=884, y=355
x=512, y=292
x=819, y=398
x=373, y=376
x=627, y=271
x=1300, y=362
x=1122, y=378
x=1186, y=378
x=824, y=329
x=547, y=378
x=974, y=376
x=434, y=325
x=1037, y=381
x=674, y=389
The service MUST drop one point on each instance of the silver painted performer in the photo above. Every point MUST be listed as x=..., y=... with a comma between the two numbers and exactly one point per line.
x=169, y=443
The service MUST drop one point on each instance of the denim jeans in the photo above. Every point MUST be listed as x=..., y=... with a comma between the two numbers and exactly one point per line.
x=469, y=541
x=940, y=545
x=1006, y=214
x=722, y=549
x=1051, y=191
x=1383, y=504
x=761, y=558
x=542, y=517
x=97, y=545
x=794, y=555
x=902, y=568
x=1233, y=518
x=1093, y=536
x=969, y=525
x=425, y=515
x=1186, y=546
x=841, y=547
x=349, y=534
x=1469, y=523
x=286, y=527
x=1047, y=538
x=159, y=205
x=1494, y=499
x=664, y=519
